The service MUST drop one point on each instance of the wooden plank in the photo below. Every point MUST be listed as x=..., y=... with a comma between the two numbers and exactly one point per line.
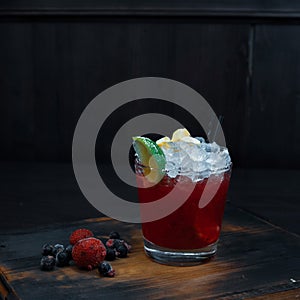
x=286, y=295
x=271, y=194
x=46, y=97
x=35, y=194
x=71, y=62
x=271, y=8
x=39, y=194
x=253, y=259
x=16, y=90
x=6, y=291
x=272, y=120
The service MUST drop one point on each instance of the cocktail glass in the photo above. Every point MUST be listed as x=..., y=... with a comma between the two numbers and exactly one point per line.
x=189, y=235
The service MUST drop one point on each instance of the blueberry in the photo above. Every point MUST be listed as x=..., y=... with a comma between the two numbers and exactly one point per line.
x=109, y=243
x=114, y=235
x=106, y=269
x=122, y=251
x=110, y=254
x=117, y=243
x=127, y=246
x=47, y=263
x=47, y=249
x=58, y=248
x=114, y=243
x=68, y=250
x=62, y=259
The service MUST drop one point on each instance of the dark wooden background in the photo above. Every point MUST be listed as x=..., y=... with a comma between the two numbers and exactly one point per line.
x=242, y=56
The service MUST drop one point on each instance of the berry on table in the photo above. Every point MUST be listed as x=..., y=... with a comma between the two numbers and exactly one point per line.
x=110, y=254
x=106, y=269
x=127, y=246
x=110, y=243
x=68, y=250
x=122, y=251
x=120, y=246
x=114, y=243
x=88, y=253
x=47, y=249
x=80, y=234
x=114, y=235
x=47, y=263
x=57, y=248
x=62, y=259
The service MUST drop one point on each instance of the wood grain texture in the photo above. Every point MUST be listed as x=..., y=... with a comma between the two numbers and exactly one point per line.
x=275, y=84
x=249, y=8
x=35, y=194
x=270, y=194
x=63, y=65
x=254, y=259
x=287, y=295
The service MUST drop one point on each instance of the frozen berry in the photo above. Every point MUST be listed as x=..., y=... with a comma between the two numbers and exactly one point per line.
x=58, y=248
x=110, y=254
x=129, y=247
x=62, y=259
x=114, y=235
x=80, y=234
x=68, y=250
x=118, y=243
x=88, y=253
x=47, y=263
x=110, y=243
x=47, y=249
x=122, y=251
x=106, y=269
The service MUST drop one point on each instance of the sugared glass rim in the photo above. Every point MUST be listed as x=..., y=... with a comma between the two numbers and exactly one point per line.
x=219, y=171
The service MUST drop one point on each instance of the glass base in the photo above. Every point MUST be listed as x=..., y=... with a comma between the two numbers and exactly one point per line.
x=179, y=257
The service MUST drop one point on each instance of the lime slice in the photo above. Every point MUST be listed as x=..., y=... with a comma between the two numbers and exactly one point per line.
x=151, y=156
x=179, y=134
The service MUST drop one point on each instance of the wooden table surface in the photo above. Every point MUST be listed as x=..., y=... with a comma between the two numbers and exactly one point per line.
x=255, y=260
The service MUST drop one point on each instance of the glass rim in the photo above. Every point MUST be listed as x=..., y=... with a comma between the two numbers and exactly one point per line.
x=219, y=171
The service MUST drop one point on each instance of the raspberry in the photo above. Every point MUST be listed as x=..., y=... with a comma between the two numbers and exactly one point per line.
x=88, y=253
x=80, y=234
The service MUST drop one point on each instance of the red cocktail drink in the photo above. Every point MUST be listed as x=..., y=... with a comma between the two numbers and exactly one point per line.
x=190, y=233
x=182, y=187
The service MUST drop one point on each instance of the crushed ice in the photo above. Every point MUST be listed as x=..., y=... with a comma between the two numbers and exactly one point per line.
x=196, y=161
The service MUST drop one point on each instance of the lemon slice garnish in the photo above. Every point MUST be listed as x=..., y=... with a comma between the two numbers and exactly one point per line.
x=163, y=142
x=179, y=134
